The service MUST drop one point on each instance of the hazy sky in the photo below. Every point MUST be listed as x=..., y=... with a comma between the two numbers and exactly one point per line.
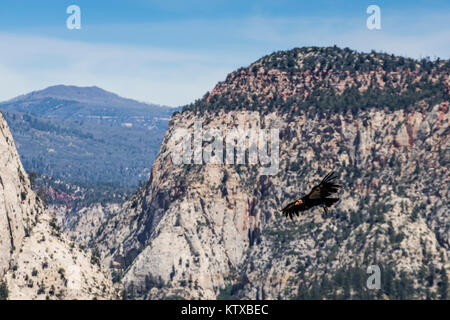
x=172, y=52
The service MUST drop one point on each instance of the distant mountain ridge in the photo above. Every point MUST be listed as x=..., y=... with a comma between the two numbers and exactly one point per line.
x=91, y=104
x=86, y=134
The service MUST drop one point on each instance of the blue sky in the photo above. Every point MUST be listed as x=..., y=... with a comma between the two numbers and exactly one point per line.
x=172, y=52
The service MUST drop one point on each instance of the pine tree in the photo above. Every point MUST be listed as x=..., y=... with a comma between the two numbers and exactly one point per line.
x=4, y=292
x=443, y=285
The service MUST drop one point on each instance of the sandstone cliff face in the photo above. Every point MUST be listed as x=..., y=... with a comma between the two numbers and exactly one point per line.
x=195, y=227
x=207, y=231
x=189, y=226
x=19, y=207
x=36, y=260
x=82, y=225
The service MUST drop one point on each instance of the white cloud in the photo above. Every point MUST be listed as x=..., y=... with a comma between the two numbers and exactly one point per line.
x=193, y=55
x=161, y=76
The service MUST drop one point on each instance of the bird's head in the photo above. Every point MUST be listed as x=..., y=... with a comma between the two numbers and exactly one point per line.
x=298, y=202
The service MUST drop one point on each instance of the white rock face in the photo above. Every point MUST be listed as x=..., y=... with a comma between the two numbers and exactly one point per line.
x=49, y=267
x=18, y=205
x=36, y=260
x=83, y=224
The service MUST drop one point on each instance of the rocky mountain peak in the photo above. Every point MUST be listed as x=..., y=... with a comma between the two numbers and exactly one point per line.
x=327, y=78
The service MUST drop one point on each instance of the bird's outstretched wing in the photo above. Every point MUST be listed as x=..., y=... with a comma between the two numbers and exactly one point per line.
x=325, y=188
x=291, y=209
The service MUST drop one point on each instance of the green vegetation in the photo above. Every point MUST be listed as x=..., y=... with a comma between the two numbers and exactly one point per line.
x=174, y=297
x=77, y=195
x=83, y=152
x=41, y=288
x=4, y=292
x=227, y=293
x=350, y=283
x=62, y=273
x=400, y=87
x=443, y=289
x=153, y=282
x=95, y=256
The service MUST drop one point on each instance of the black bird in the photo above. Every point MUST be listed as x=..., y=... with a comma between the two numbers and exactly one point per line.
x=317, y=197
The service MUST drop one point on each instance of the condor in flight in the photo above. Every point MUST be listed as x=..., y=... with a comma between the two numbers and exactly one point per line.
x=317, y=197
